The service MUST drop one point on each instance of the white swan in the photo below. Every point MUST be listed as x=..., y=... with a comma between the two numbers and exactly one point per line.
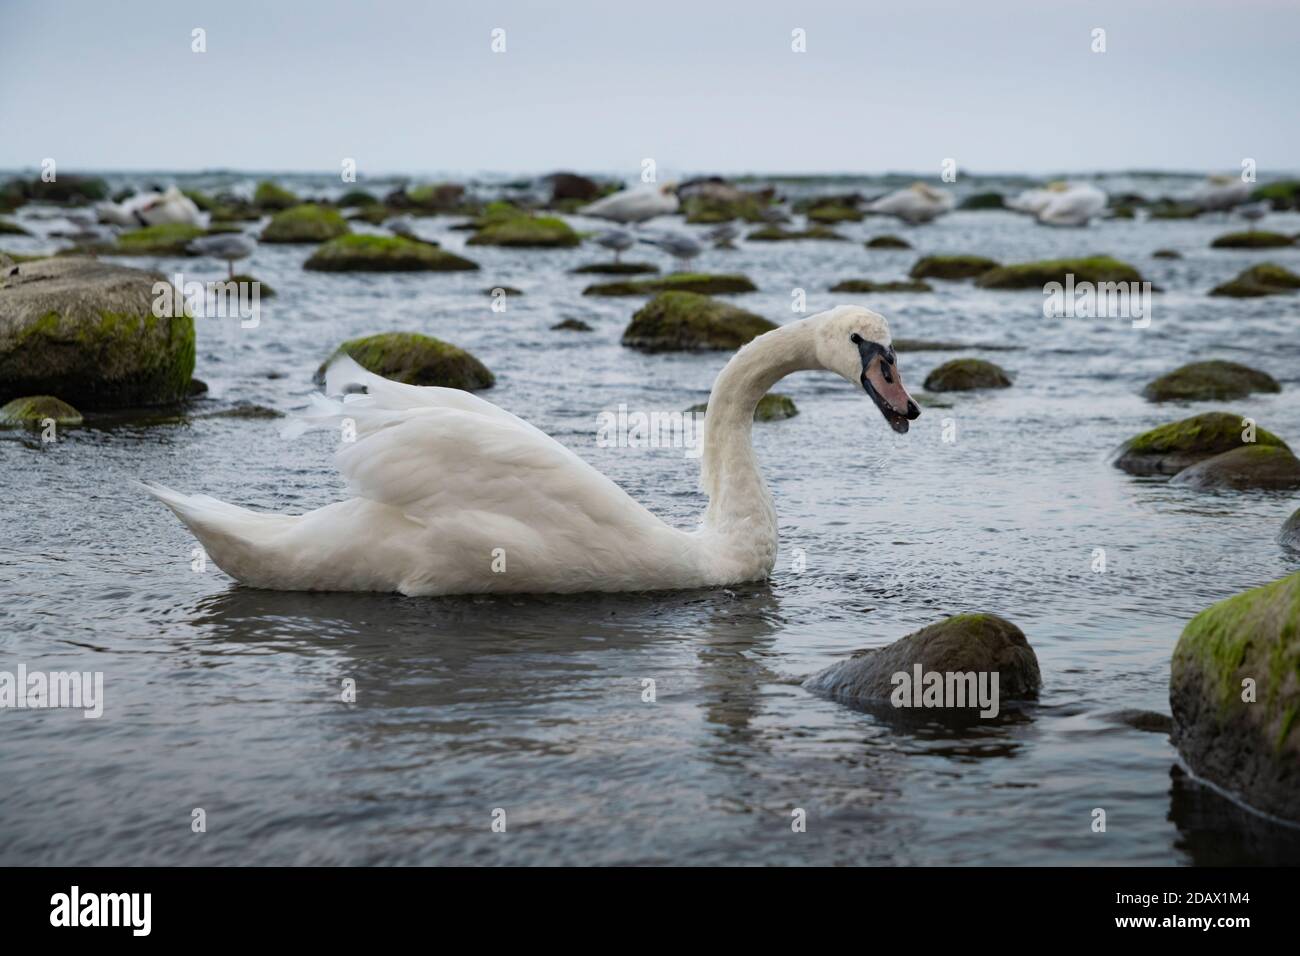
x=1075, y=205
x=1217, y=193
x=1032, y=201
x=152, y=209
x=917, y=203
x=635, y=205
x=454, y=495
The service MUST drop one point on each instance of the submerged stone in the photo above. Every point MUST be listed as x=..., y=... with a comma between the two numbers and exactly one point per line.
x=965, y=374
x=687, y=321
x=702, y=283
x=35, y=410
x=1170, y=448
x=357, y=253
x=772, y=407
x=1266, y=278
x=1035, y=275
x=866, y=285
x=1207, y=381
x=1251, y=467
x=1257, y=239
x=414, y=359
x=887, y=242
x=951, y=267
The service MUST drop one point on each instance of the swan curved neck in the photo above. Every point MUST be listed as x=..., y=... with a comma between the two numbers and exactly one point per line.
x=739, y=502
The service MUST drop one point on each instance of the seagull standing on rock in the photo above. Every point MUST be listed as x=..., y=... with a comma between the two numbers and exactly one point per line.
x=229, y=247
x=634, y=206
x=680, y=247
x=616, y=241
x=1254, y=212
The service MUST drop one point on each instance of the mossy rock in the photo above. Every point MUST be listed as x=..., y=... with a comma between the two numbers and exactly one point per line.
x=772, y=407
x=1248, y=747
x=1215, y=380
x=1035, y=275
x=527, y=232
x=169, y=239
x=271, y=197
x=414, y=359
x=1259, y=239
x=357, y=197
x=616, y=269
x=700, y=282
x=1248, y=468
x=964, y=375
x=1171, y=209
x=980, y=201
x=688, y=321
x=8, y=228
x=709, y=210
x=951, y=267
x=264, y=289
x=34, y=410
x=306, y=223
x=1267, y=278
x=73, y=190
x=571, y=325
x=866, y=285
x=86, y=331
x=356, y=253
x=1170, y=448
x=375, y=214
x=1281, y=195
x=887, y=242
x=966, y=643
x=435, y=197
x=834, y=212
x=1166, y=254
x=1290, y=534
x=775, y=233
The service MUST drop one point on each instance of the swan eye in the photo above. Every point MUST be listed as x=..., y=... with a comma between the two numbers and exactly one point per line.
x=855, y=339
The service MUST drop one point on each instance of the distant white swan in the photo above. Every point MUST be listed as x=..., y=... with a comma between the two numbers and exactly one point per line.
x=635, y=205
x=453, y=495
x=917, y=203
x=1075, y=205
x=1032, y=201
x=1221, y=192
x=152, y=209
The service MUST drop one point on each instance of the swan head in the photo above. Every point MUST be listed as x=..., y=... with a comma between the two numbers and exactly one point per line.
x=855, y=343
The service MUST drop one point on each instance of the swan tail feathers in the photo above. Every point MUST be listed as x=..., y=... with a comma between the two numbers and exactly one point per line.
x=321, y=412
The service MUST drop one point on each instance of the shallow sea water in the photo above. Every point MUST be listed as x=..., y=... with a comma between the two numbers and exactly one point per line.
x=226, y=698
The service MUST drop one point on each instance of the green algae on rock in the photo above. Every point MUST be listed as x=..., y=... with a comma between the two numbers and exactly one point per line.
x=703, y=283
x=688, y=321
x=966, y=374
x=1215, y=380
x=358, y=253
x=867, y=285
x=1255, y=239
x=887, y=242
x=86, y=331
x=1250, y=467
x=1266, y=278
x=1170, y=448
x=414, y=359
x=982, y=201
x=951, y=267
x=524, y=231
x=306, y=223
x=776, y=233
x=772, y=407
x=33, y=411
x=1035, y=275
x=271, y=197
x=571, y=325
x=1234, y=689
x=264, y=289
x=168, y=239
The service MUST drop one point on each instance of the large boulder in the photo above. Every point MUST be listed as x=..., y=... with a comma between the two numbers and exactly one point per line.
x=1266, y=278
x=306, y=223
x=966, y=374
x=86, y=331
x=699, y=282
x=1251, y=467
x=414, y=359
x=357, y=253
x=687, y=322
x=964, y=644
x=1168, y=449
x=270, y=197
x=951, y=267
x=1210, y=381
x=1234, y=688
x=569, y=186
x=523, y=231
x=1035, y=275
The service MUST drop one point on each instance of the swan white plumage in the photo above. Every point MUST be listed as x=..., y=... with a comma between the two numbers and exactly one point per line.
x=1218, y=193
x=1075, y=205
x=446, y=484
x=1032, y=201
x=152, y=209
x=917, y=203
x=635, y=205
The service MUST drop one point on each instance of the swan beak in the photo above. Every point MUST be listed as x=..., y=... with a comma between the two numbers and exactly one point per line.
x=882, y=380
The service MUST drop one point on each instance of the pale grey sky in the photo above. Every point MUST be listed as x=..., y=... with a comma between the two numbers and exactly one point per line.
x=406, y=86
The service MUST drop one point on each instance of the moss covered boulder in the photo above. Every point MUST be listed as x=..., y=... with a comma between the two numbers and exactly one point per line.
x=1166, y=254
x=833, y=212
x=1256, y=239
x=169, y=239
x=35, y=410
x=270, y=197
x=86, y=331
x=727, y=206
x=524, y=231
x=982, y=201
x=1234, y=690
x=1035, y=275
x=1267, y=278
x=971, y=644
x=951, y=267
x=414, y=359
x=64, y=188
x=616, y=269
x=867, y=285
x=1249, y=468
x=966, y=374
x=306, y=223
x=776, y=233
x=887, y=242
x=772, y=407
x=1280, y=195
x=1170, y=448
x=357, y=253
x=688, y=322
x=357, y=197
x=700, y=282
x=1215, y=380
